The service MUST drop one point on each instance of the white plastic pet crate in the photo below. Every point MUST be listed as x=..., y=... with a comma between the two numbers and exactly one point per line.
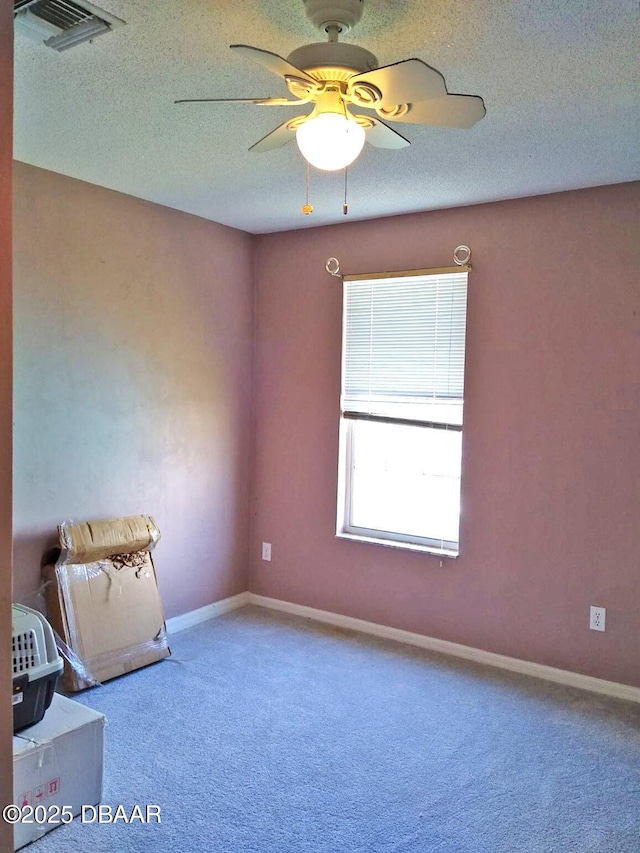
x=36, y=666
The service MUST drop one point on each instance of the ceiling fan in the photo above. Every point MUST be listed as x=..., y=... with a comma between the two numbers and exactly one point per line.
x=341, y=79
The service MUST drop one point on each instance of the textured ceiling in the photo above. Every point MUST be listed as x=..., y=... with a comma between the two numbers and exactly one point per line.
x=560, y=80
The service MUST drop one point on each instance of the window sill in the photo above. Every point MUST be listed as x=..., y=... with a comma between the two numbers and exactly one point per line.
x=403, y=546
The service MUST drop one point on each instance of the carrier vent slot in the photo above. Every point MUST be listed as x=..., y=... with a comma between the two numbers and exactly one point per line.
x=25, y=652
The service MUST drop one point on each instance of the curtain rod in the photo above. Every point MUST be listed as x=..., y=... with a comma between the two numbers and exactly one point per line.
x=461, y=258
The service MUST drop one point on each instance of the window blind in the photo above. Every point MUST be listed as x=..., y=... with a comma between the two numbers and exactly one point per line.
x=404, y=346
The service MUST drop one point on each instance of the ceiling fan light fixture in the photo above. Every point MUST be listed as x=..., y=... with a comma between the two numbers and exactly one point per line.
x=330, y=141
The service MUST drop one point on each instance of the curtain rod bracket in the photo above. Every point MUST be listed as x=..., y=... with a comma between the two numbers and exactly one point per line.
x=332, y=266
x=462, y=256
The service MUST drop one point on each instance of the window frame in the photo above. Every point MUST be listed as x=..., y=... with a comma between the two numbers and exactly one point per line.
x=344, y=528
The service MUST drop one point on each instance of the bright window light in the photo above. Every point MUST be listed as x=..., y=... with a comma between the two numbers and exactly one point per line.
x=406, y=480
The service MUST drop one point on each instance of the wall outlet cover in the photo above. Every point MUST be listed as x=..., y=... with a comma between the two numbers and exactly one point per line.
x=597, y=618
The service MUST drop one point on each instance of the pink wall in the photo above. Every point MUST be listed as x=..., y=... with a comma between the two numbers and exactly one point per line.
x=133, y=347
x=6, y=142
x=133, y=335
x=551, y=482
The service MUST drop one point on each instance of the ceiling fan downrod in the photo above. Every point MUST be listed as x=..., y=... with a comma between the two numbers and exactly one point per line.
x=334, y=17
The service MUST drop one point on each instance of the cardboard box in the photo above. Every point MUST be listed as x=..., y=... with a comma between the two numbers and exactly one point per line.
x=57, y=763
x=106, y=609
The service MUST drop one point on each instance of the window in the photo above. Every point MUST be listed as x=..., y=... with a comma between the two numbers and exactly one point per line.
x=403, y=346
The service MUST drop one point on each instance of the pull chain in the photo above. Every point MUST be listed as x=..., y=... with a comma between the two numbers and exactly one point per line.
x=345, y=206
x=307, y=208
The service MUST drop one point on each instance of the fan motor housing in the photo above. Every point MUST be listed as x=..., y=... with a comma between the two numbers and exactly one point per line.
x=340, y=14
x=332, y=55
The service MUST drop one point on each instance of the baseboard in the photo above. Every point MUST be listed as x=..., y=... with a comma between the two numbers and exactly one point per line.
x=209, y=611
x=536, y=670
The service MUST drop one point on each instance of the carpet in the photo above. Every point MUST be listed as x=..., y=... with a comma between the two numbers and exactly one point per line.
x=267, y=733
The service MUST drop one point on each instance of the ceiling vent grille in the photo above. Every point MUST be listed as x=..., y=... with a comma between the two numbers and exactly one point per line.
x=62, y=24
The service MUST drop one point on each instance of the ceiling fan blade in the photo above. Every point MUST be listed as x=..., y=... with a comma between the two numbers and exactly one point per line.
x=450, y=111
x=261, y=102
x=380, y=135
x=275, y=139
x=403, y=82
x=272, y=62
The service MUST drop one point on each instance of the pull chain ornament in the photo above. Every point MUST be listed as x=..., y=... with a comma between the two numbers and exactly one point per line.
x=307, y=208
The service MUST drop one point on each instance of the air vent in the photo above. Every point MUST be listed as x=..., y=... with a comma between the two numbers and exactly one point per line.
x=62, y=24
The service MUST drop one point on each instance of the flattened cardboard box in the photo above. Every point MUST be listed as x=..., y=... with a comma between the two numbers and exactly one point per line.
x=58, y=762
x=109, y=613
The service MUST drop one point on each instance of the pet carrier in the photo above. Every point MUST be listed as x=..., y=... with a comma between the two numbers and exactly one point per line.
x=36, y=666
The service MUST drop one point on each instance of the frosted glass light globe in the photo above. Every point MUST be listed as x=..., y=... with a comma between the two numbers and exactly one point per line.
x=330, y=141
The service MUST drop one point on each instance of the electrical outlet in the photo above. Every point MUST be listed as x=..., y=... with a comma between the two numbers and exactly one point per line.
x=597, y=618
x=266, y=551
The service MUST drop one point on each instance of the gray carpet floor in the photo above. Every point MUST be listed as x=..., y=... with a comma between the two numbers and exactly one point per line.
x=270, y=734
